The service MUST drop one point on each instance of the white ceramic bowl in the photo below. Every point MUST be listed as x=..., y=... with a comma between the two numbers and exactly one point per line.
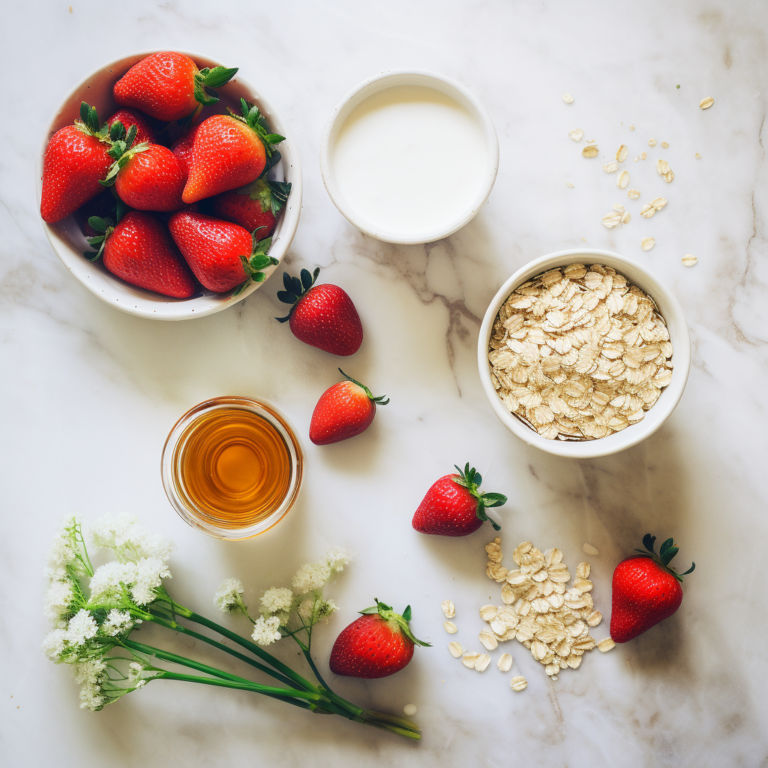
x=670, y=396
x=69, y=242
x=381, y=82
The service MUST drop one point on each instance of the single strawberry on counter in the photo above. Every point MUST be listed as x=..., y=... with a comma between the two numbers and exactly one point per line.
x=128, y=117
x=230, y=151
x=255, y=205
x=139, y=250
x=322, y=316
x=222, y=255
x=645, y=590
x=169, y=86
x=377, y=644
x=343, y=411
x=455, y=506
x=76, y=159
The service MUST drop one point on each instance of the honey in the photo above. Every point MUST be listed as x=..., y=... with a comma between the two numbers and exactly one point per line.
x=234, y=465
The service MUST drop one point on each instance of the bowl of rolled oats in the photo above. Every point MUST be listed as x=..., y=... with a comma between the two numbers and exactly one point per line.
x=583, y=353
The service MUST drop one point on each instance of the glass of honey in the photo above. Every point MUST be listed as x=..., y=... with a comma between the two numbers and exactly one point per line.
x=232, y=467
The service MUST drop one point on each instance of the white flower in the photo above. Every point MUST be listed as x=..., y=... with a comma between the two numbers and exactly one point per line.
x=228, y=594
x=54, y=644
x=326, y=608
x=134, y=671
x=306, y=609
x=82, y=627
x=276, y=600
x=129, y=539
x=116, y=623
x=90, y=674
x=266, y=631
x=150, y=571
x=58, y=599
x=313, y=609
x=106, y=581
x=63, y=552
x=311, y=576
x=337, y=558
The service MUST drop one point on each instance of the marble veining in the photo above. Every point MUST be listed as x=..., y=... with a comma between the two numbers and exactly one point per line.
x=90, y=393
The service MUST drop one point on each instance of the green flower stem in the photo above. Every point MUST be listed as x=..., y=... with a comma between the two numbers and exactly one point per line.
x=241, y=682
x=164, y=621
x=247, y=644
x=243, y=686
x=399, y=721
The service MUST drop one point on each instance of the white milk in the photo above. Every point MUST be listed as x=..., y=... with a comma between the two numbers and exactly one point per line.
x=410, y=160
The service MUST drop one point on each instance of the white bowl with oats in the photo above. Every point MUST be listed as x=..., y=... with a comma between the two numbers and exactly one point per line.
x=583, y=353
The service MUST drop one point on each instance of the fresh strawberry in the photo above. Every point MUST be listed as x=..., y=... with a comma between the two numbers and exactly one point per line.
x=322, y=316
x=454, y=505
x=139, y=251
x=182, y=148
x=646, y=590
x=229, y=152
x=149, y=177
x=222, y=255
x=377, y=644
x=128, y=117
x=76, y=159
x=169, y=86
x=343, y=411
x=255, y=205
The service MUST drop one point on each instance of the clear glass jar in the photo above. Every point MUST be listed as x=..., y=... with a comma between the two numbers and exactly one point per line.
x=178, y=482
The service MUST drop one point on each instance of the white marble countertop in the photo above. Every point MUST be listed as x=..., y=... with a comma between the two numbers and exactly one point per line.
x=90, y=393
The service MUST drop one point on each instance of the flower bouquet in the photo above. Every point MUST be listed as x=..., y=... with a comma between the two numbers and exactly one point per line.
x=94, y=625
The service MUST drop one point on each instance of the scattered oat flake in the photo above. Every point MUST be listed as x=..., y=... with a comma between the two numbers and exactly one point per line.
x=590, y=550
x=647, y=211
x=410, y=709
x=611, y=167
x=636, y=159
x=568, y=184
x=448, y=609
x=626, y=218
x=689, y=260
x=505, y=662
x=643, y=155
x=618, y=207
x=606, y=645
x=621, y=154
x=576, y=134
x=647, y=243
x=482, y=662
x=633, y=194
x=567, y=98
x=590, y=151
x=518, y=684
x=455, y=650
x=450, y=627
x=659, y=202
x=590, y=141
x=469, y=659
x=488, y=640
x=665, y=144
x=698, y=156
x=611, y=219
x=622, y=180
x=707, y=102
x=594, y=618
x=632, y=127
x=669, y=176
x=652, y=142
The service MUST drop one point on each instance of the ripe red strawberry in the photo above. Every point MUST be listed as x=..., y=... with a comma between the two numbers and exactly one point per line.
x=343, y=411
x=222, y=255
x=169, y=86
x=454, y=505
x=377, y=644
x=139, y=251
x=255, y=205
x=322, y=316
x=182, y=148
x=128, y=117
x=646, y=590
x=76, y=159
x=229, y=152
x=150, y=178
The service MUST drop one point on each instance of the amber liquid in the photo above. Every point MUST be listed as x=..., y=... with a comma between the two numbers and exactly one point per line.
x=234, y=467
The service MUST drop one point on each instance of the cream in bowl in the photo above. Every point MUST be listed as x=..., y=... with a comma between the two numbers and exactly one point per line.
x=583, y=354
x=409, y=157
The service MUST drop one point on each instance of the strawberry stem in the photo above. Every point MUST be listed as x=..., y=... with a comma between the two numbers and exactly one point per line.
x=295, y=289
x=380, y=400
x=471, y=479
x=386, y=613
x=253, y=118
x=666, y=552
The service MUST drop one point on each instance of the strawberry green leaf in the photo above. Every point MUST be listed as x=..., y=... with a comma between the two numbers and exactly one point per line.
x=389, y=615
x=668, y=555
x=494, y=499
x=665, y=546
x=407, y=613
x=287, y=297
x=218, y=76
x=649, y=541
x=306, y=279
x=274, y=138
x=98, y=224
x=116, y=131
x=471, y=479
x=690, y=570
x=272, y=161
x=380, y=400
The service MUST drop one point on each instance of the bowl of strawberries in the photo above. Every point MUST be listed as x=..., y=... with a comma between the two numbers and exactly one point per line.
x=168, y=186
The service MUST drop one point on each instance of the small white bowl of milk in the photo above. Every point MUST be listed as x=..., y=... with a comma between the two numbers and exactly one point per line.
x=409, y=157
